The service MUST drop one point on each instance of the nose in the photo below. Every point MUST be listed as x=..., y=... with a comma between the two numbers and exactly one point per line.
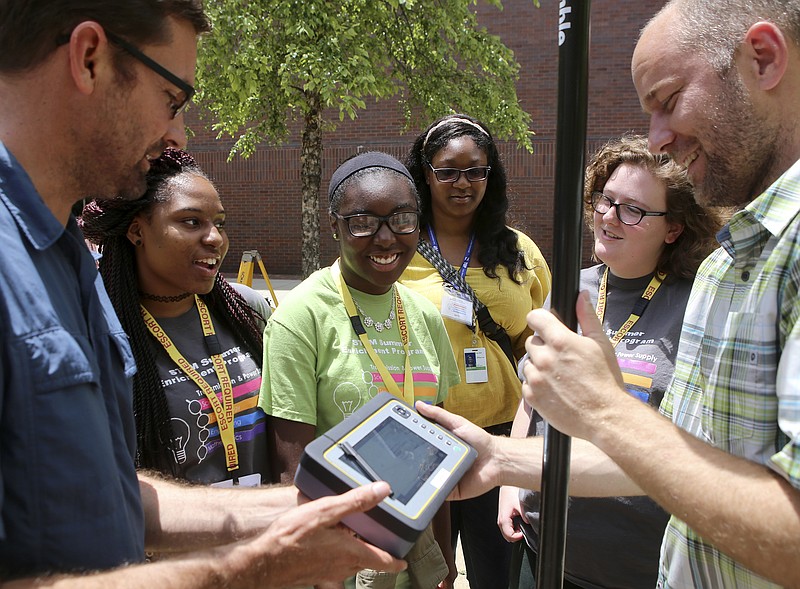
x=462, y=180
x=214, y=236
x=611, y=215
x=660, y=135
x=176, y=133
x=384, y=234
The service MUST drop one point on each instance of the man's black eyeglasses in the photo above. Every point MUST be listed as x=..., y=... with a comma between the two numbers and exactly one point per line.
x=451, y=175
x=178, y=104
x=627, y=214
x=361, y=225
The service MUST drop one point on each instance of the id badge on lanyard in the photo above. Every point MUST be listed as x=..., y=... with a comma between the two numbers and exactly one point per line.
x=457, y=306
x=475, y=366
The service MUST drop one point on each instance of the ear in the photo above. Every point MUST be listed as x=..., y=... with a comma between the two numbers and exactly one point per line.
x=673, y=233
x=134, y=233
x=765, y=54
x=334, y=226
x=88, y=50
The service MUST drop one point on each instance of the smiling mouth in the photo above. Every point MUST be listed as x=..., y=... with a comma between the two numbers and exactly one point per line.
x=152, y=156
x=385, y=260
x=208, y=263
x=689, y=159
x=610, y=235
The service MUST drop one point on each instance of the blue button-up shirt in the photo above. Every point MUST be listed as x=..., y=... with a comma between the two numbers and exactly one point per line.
x=69, y=496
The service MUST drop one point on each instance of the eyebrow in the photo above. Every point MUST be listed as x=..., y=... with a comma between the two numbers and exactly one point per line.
x=198, y=210
x=617, y=196
x=396, y=209
x=650, y=97
x=648, y=101
x=474, y=164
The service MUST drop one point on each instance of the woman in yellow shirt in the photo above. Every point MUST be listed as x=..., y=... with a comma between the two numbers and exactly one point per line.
x=469, y=259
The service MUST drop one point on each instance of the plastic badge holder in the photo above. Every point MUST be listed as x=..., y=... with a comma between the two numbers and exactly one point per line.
x=387, y=440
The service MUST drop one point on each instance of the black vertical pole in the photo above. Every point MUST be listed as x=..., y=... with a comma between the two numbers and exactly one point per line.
x=573, y=66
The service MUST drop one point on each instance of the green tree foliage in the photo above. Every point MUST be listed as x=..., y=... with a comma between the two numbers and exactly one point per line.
x=270, y=62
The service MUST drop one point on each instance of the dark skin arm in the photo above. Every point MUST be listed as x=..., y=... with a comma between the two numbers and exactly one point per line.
x=288, y=439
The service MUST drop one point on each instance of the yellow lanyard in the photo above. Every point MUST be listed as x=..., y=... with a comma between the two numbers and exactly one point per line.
x=408, y=380
x=638, y=308
x=222, y=410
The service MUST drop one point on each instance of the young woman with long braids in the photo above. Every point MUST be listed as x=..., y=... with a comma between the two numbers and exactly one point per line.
x=472, y=260
x=197, y=342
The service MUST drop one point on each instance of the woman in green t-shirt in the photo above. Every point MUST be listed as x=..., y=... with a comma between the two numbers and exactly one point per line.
x=350, y=331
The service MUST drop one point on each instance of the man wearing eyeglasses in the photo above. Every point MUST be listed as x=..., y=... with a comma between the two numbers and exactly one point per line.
x=92, y=91
x=721, y=83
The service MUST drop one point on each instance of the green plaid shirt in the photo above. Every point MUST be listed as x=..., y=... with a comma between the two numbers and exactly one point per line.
x=737, y=374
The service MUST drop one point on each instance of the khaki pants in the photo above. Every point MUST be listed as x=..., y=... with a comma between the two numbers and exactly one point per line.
x=426, y=567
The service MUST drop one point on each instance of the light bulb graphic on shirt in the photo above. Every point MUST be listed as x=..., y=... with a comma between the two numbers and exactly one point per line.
x=180, y=438
x=347, y=398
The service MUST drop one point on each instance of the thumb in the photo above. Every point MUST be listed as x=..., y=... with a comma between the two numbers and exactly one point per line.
x=593, y=329
x=332, y=509
x=587, y=318
x=439, y=415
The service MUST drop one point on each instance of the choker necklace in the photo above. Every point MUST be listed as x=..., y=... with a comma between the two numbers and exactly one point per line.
x=378, y=325
x=164, y=299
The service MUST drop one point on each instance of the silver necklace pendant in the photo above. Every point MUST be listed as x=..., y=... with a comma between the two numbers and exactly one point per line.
x=378, y=325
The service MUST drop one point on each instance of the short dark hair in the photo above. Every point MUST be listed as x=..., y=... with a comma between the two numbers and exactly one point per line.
x=31, y=29
x=681, y=258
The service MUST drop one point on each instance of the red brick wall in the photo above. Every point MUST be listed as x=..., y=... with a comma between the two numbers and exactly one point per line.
x=262, y=193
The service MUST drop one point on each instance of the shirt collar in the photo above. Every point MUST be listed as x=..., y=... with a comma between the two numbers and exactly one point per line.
x=768, y=215
x=778, y=205
x=34, y=219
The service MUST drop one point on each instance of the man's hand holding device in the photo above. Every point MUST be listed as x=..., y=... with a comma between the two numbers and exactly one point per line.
x=387, y=440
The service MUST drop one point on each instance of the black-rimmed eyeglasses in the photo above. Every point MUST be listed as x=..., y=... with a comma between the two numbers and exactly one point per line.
x=178, y=104
x=451, y=175
x=627, y=214
x=362, y=225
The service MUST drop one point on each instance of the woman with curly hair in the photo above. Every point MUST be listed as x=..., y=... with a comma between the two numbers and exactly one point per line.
x=649, y=237
x=197, y=342
x=484, y=277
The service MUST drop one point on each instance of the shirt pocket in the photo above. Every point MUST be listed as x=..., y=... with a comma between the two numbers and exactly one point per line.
x=54, y=407
x=742, y=404
x=57, y=359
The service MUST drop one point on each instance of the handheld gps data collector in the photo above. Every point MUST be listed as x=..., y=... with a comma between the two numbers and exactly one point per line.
x=386, y=440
